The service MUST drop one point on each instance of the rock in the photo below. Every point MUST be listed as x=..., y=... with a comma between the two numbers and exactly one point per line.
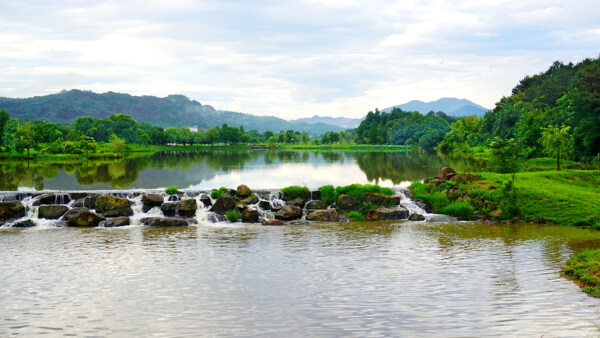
x=314, y=205
x=173, y=198
x=232, y=193
x=250, y=200
x=383, y=213
x=464, y=178
x=451, y=193
x=74, y=211
x=416, y=217
x=323, y=215
x=187, y=207
x=79, y=195
x=116, y=222
x=436, y=181
x=223, y=204
x=24, y=224
x=423, y=204
x=54, y=211
x=304, y=196
x=110, y=206
x=169, y=208
x=289, y=212
x=265, y=205
x=393, y=201
x=446, y=173
x=243, y=191
x=164, y=222
x=374, y=198
x=298, y=202
x=12, y=209
x=498, y=213
x=250, y=216
x=215, y=218
x=88, y=202
x=85, y=219
x=52, y=199
x=347, y=202
x=272, y=222
x=206, y=201
x=152, y=200
x=441, y=219
x=315, y=194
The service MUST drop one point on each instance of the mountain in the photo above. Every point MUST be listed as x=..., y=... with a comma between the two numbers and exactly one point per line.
x=450, y=106
x=343, y=122
x=171, y=111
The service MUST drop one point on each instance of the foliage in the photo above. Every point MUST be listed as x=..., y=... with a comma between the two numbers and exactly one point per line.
x=355, y=190
x=584, y=268
x=556, y=142
x=4, y=118
x=26, y=136
x=461, y=210
x=294, y=191
x=328, y=196
x=116, y=144
x=217, y=193
x=356, y=216
x=172, y=190
x=233, y=215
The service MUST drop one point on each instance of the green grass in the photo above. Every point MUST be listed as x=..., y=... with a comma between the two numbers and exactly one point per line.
x=460, y=210
x=294, y=191
x=584, y=268
x=328, y=195
x=233, y=215
x=356, y=216
x=172, y=190
x=217, y=193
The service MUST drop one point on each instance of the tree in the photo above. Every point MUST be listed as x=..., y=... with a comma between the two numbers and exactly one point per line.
x=116, y=143
x=507, y=157
x=87, y=144
x=556, y=141
x=4, y=117
x=26, y=136
x=172, y=135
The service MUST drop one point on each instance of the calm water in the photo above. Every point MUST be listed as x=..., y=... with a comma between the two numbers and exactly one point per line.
x=376, y=279
x=259, y=169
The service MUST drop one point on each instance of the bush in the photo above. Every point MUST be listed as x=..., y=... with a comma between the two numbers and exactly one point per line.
x=356, y=216
x=294, y=191
x=461, y=210
x=233, y=215
x=355, y=190
x=328, y=196
x=372, y=188
x=172, y=190
x=217, y=193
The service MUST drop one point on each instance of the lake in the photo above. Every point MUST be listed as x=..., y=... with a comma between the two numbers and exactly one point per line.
x=257, y=169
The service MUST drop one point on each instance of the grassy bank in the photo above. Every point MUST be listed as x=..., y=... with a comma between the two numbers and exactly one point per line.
x=567, y=197
x=584, y=269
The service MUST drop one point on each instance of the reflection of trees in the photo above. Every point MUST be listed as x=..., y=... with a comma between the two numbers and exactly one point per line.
x=14, y=174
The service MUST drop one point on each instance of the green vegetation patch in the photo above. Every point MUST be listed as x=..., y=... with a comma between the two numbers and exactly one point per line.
x=217, y=193
x=233, y=215
x=172, y=190
x=584, y=268
x=356, y=216
x=462, y=210
x=294, y=191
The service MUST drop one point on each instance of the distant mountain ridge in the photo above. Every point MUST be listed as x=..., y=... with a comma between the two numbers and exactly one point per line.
x=171, y=111
x=448, y=105
x=344, y=122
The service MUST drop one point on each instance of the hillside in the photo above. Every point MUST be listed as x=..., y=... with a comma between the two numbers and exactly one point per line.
x=343, y=122
x=450, y=106
x=171, y=111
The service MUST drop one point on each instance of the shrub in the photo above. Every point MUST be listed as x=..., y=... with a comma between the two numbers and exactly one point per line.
x=368, y=206
x=294, y=191
x=356, y=216
x=233, y=215
x=328, y=195
x=217, y=193
x=461, y=210
x=377, y=189
x=172, y=190
x=355, y=190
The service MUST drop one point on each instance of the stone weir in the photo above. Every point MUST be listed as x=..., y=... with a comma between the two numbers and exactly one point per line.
x=190, y=207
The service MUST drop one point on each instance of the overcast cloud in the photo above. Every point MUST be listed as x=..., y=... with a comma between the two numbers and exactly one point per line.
x=291, y=58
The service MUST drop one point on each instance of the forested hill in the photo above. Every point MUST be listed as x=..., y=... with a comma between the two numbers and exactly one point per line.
x=171, y=111
x=449, y=105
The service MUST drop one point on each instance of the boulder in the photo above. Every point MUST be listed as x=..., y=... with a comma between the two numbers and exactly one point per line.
x=164, y=222
x=250, y=200
x=423, y=204
x=383, y=213
x=250, y=216
x=347, y=202
x=243, y=191
x=206, y=201
x=314, y=205
x=24, y=224
x=87, y=202
x=452, y=193
x=75, y=211
x=289, y=212
x=110, y=206
x=152, y=200
x=436, y=182
x=53, y=211
x=392, y=201
x=315, y=194
x=85, y=219
x=12, y=209
x=187, y=207
x=464, y=178
x=446, y=173
x=416, y=217
x=79, y=195
x=323, y=215
x=216, y=218
x=272, y=222
x=498, y=213
x=375, y=198
x=169, y=208
x=298, y=202
x=116, y=222
x=223, y=204
x=441, y=219
x=173, y=198
x=265, y=205
x=52, y=199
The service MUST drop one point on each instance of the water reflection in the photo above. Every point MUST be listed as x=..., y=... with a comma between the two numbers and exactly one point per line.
x=262, y=169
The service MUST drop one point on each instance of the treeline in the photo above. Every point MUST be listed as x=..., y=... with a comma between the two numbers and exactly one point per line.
x=566, y=98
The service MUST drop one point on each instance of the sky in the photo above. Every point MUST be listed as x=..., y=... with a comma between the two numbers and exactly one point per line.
x=291, y=59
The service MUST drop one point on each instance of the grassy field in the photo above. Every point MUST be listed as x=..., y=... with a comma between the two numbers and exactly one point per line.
x=584, y=268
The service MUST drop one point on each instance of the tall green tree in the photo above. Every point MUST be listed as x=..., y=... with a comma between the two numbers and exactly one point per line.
x=26, y=136
x=557, y=142
x=4, y=117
